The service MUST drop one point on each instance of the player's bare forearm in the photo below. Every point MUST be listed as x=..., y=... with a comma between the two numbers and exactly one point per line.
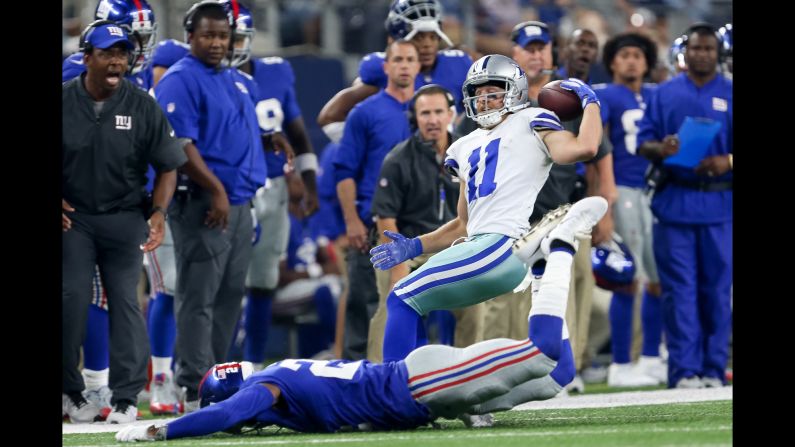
x=338, y=107
x=443, y=236
x=566, y=148
x=590, y=135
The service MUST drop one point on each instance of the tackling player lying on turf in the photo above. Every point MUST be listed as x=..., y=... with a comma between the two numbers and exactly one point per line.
x=433, y=381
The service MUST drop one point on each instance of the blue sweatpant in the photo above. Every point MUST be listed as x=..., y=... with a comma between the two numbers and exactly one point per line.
x=695, y=267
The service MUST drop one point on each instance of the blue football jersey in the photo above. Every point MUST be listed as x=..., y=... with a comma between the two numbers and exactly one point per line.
x=450, y=71
x=73, y=67
x=215, y=109
x=276, y=103
x=168, y=52
x=324, y=396
x=622, y=109
x=672, y=102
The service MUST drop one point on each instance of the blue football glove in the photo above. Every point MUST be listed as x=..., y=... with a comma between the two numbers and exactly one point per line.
x=386, y=256
x=582, y=90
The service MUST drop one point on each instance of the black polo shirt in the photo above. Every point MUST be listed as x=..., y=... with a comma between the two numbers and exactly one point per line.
x=414, y=189
x=105, y=156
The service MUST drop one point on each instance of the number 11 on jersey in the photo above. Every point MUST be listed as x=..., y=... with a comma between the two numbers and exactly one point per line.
x=487, y=185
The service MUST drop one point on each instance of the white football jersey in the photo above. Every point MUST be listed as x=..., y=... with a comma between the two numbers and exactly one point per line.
x=503, y=168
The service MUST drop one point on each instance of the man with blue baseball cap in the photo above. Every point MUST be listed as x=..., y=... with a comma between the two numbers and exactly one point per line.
x=533, y=52
x=112, y=131
x=106, y=49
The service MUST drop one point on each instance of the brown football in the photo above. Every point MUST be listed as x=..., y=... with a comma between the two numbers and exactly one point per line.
x=565, y=103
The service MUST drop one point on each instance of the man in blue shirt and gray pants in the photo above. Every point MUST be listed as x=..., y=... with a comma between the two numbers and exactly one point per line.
x=372, y=129
x=693, y=210
x=212, y=106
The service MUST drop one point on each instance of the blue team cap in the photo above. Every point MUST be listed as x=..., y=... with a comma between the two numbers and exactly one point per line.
x=105, y=36
x=532, y=31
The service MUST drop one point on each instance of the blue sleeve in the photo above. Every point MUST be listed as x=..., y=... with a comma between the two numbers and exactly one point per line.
x=546, y=120
x=243, y=406
x=650, y=127
x=72, y=67
x=350, y=155
x=168, y=52
x=181, y=107
x=290, y=106
x=371, y=70
x=451, y=166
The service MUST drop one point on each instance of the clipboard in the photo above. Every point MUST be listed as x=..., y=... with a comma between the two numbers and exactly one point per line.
x=695, y=137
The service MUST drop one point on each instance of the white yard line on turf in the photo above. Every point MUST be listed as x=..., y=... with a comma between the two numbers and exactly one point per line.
x=587, y=401
x=676, y=396
x=437, y=435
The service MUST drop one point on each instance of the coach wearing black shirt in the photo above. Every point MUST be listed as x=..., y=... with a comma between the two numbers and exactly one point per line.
x=414, y=194
x=111, y=131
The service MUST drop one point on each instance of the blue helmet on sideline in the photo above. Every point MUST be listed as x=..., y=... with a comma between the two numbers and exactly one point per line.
x=613, y=264
x=244, y=31
x=408, y=17
x=138, y=19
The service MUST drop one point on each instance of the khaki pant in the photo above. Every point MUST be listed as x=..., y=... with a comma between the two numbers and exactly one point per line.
x=506, y=316
x=469, y=320
x=578, y=310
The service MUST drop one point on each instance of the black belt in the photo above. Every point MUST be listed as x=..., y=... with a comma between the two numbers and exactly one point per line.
x=703, y=186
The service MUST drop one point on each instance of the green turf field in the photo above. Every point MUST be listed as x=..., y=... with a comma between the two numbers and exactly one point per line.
x=691, y=424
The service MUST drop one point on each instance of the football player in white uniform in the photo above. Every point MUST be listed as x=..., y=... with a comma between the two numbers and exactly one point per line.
x=501, y=167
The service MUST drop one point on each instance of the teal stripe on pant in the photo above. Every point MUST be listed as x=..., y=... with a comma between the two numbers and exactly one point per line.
x=448, y=281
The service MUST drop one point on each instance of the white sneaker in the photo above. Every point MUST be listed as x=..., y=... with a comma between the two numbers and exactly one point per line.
x=101, y=398
x=594, y=374
x=164, y=395
x=579, y=221
x=690, y=383
x=80, y=410
x=621, y=375
x=477, y=420
x=123, y=413
x=576, y=385
x=527, y=247
x=711, y=382
x=653, y=367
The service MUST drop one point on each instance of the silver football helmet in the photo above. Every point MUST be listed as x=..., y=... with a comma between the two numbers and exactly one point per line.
x=499, y=70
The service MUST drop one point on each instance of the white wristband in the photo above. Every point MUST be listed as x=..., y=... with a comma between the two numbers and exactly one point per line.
x=305, y=162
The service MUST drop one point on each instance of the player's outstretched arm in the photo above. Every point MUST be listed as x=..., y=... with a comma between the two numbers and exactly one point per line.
x=445, y=235
x=243, y=406
x=386, y=256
